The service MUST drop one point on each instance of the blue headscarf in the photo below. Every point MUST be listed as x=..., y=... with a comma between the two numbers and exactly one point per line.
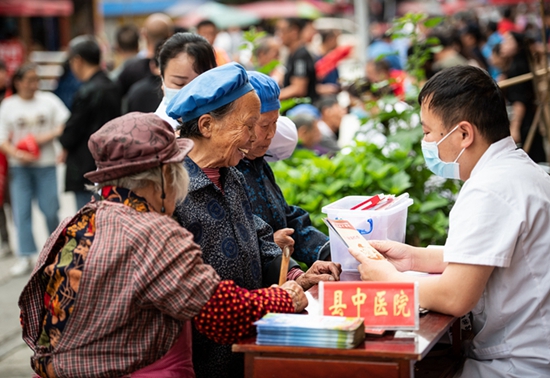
x=267, y=90
x=210, y=91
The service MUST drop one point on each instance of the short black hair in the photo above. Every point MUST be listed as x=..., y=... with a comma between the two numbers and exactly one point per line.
x=296, y=23
x=87, y=48
x=194, y=45
x=474, y=31
x=491, y=27
x=127, y=38
x=20, y=73
x=327, y=34
x=507, y=13
x=381, y=65
x=205, y=23
x=467, y=93
x=326, y=102
x=447, y=37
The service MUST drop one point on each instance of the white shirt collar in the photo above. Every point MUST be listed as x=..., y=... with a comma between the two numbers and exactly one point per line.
x=494, y=150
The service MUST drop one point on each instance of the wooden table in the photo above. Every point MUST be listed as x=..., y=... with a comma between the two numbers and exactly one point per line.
x=387, y=356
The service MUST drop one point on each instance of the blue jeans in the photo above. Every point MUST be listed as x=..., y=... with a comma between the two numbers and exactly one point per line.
x=26, y=184
x=82, y=198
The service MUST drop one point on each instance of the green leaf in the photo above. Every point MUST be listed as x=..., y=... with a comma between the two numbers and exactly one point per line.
x=433, y=22
x=398, y=183
x=335, y=187
x=289, y=103
x=357, y=176
x=436, y=49
x=313, y=204
x=433, y=41
x=269, y=67
x=433, y=204
x=295, y=173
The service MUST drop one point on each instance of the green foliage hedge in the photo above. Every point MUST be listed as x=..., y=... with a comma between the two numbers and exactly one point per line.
x=312, y=181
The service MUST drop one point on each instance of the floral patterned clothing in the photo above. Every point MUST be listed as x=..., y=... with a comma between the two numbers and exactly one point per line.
x=62, y=276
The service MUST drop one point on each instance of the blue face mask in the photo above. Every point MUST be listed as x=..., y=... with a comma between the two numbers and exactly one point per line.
x=169, y=93
x=435, y=164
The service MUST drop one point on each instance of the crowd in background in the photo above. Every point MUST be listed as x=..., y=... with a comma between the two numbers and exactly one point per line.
x=304, y=61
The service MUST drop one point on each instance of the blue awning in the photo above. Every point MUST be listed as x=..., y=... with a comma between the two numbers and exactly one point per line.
x=114, y=8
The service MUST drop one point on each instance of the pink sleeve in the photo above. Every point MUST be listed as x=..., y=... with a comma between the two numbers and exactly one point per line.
x=293, y=274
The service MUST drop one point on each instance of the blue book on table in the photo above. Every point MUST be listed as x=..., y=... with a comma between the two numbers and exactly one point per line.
x=310, y=330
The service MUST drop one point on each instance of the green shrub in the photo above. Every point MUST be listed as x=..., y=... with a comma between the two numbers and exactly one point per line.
x=312, y=181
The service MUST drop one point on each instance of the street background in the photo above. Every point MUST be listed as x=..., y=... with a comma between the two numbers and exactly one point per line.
x=14, y=353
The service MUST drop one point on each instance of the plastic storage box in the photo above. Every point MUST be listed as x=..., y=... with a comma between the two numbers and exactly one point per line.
x=384, y=224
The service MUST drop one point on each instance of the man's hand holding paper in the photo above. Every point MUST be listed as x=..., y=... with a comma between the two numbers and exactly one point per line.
x=399, y=254
x=372, y=269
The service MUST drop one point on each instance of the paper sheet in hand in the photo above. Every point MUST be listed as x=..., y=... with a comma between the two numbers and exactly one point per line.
x=352, y=238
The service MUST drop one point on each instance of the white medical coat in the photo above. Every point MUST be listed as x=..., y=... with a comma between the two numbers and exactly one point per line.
x=502, y=218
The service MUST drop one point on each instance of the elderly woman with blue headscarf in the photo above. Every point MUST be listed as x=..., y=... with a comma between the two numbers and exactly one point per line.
x=219, y=111
x=291, y=224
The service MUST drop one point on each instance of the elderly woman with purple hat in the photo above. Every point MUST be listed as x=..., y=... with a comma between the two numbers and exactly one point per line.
x=116, y=286
x=219, y=111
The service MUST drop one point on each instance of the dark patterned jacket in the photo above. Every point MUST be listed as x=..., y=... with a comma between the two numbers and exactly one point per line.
x=269, y=204
x=235, y=242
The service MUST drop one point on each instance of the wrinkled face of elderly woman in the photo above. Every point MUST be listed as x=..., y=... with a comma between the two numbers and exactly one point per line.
x=231, y=137
x=265, y=131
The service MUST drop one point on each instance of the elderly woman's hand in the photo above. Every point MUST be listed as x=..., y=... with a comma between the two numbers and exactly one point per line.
x=297, y=294
x=320, y=271
x=283, y=239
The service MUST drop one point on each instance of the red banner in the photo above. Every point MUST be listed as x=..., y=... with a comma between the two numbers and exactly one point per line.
x=387, y=305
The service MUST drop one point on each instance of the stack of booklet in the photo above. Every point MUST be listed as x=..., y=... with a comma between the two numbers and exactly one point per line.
x=310, y=330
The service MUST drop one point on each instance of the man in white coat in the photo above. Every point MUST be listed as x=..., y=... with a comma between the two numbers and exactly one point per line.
x=496, y=259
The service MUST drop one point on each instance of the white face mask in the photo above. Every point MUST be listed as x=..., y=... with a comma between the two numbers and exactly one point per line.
x=284, y=141
x=169, y=93
x=443, y=169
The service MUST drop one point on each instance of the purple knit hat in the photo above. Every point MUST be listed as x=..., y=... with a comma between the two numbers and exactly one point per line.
x=134, y=143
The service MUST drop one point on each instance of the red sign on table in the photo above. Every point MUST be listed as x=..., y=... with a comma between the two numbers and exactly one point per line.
x=387, y=305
